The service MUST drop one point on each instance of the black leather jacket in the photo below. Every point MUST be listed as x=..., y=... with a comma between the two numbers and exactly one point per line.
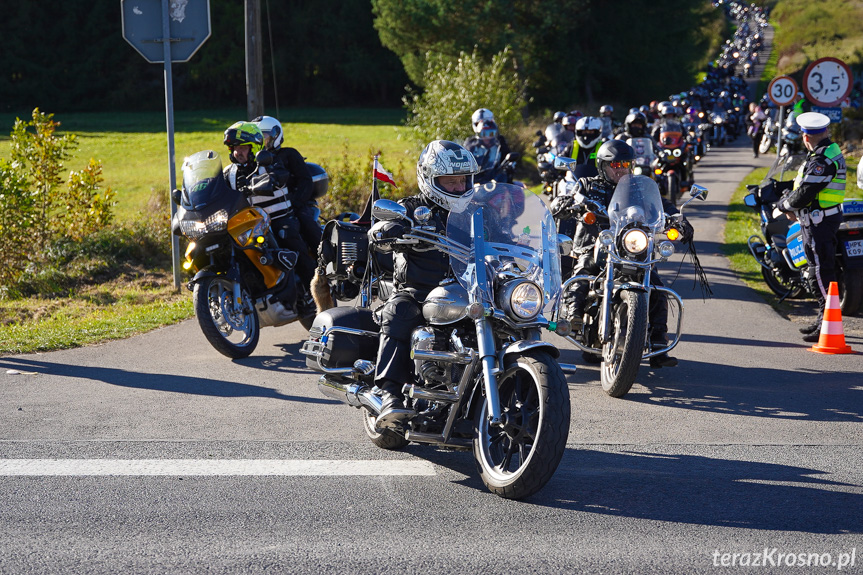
x=419, y=269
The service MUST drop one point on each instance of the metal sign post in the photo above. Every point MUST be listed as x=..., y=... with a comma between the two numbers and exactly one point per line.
x=166, y=31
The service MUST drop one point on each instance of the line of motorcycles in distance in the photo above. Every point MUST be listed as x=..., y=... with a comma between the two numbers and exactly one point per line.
x=667, y=162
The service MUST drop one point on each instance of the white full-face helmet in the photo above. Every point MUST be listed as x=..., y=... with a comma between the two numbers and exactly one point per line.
x=443, y=158
x=479, y=116
x=588, y=131
x=271, y=128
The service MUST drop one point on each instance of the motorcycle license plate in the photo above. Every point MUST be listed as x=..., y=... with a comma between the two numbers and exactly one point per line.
x=854, y=248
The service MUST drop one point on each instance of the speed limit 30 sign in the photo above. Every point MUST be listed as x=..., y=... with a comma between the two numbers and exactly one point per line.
x=827, y=81
x=782, y=90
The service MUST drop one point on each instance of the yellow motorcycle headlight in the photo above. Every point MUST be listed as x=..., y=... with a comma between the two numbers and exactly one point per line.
x=635, y=241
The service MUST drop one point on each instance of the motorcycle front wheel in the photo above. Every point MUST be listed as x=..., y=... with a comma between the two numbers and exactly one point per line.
x=766, y=143
x=519, y=458
x=233, y=332
x=622, y=355
x=780, y=285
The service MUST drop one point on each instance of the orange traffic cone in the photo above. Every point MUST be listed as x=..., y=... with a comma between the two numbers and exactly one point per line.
x=832, y=338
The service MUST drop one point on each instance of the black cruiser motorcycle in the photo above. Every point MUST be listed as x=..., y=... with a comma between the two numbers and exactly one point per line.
x=484, y=379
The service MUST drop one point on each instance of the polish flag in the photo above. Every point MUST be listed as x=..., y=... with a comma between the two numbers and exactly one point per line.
x=383, y=175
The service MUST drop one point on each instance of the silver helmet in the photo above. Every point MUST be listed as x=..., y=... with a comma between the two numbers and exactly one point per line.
x=444, y=158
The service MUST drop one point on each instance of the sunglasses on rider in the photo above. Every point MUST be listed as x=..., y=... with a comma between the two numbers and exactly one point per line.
x=625, y=164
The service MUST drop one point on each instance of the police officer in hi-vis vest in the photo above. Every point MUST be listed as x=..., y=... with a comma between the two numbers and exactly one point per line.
x=816, y=200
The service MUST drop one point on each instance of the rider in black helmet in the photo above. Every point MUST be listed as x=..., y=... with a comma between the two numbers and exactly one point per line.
x=613, y=161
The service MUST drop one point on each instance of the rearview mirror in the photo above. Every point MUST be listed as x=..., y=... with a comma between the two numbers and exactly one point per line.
x=698, y=192
x=388, y=210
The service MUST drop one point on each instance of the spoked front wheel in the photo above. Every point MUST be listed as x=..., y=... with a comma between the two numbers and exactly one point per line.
x=227, y=326
x=622, y=355
x=517, y=459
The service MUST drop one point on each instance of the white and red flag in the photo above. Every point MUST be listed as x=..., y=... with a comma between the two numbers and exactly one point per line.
x=383, y=175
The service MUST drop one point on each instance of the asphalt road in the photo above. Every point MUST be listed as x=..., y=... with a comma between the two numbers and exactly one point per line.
x=751, y=446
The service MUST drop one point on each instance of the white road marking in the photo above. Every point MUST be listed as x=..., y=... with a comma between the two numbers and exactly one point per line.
x=211, y=467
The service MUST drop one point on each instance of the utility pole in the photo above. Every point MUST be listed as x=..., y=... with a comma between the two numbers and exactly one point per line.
x=254, y=57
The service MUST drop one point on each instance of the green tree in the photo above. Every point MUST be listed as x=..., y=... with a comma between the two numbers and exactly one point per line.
x=456, y=87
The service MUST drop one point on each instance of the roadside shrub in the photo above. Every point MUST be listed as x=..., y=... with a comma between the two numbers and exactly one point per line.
x=17, y=221
x=454, y=89
x=37, y=213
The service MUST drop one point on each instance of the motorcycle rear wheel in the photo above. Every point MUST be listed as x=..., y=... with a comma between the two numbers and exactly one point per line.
x=383, y=438
x=230, y=330
x=518, y=459
x=621, y=356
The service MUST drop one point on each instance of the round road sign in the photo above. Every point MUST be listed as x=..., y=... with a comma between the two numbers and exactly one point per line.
x=827, y=81
x=782, y=90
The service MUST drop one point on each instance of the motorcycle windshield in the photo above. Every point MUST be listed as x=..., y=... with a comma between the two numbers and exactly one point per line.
x=643, y=150
x=784, y=168
x=507, y=230
x=636, y=200
x=202, y=179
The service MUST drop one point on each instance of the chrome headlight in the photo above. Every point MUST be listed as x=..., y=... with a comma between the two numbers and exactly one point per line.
x=666, y=250
x=677, y=152
x=521, y=299
x=606, y=238
x=635, y=241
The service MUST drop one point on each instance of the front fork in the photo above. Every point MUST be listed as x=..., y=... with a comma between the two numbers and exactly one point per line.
x=488, y=356
x=605, y=318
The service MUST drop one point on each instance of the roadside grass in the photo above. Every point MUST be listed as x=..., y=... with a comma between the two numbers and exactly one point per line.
x=133, y=149
x=113, y=310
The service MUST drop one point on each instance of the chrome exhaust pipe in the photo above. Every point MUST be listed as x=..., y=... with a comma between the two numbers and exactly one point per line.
x=354, y=394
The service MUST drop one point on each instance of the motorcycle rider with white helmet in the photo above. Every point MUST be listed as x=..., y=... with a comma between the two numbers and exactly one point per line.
x=588, y=139
x=445, y=174
x=295, y=176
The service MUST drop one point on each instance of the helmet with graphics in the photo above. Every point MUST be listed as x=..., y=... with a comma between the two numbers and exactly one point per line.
x=445, y=173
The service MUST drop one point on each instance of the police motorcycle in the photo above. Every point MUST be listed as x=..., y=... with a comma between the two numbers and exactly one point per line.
x=242, y=280
x=779, y=250
x=484, y=379
x=615, y=324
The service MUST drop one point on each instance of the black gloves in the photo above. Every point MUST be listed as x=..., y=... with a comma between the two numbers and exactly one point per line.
x=686, y=231
x=384, y=234
x=262, y=185
x=561, y=204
